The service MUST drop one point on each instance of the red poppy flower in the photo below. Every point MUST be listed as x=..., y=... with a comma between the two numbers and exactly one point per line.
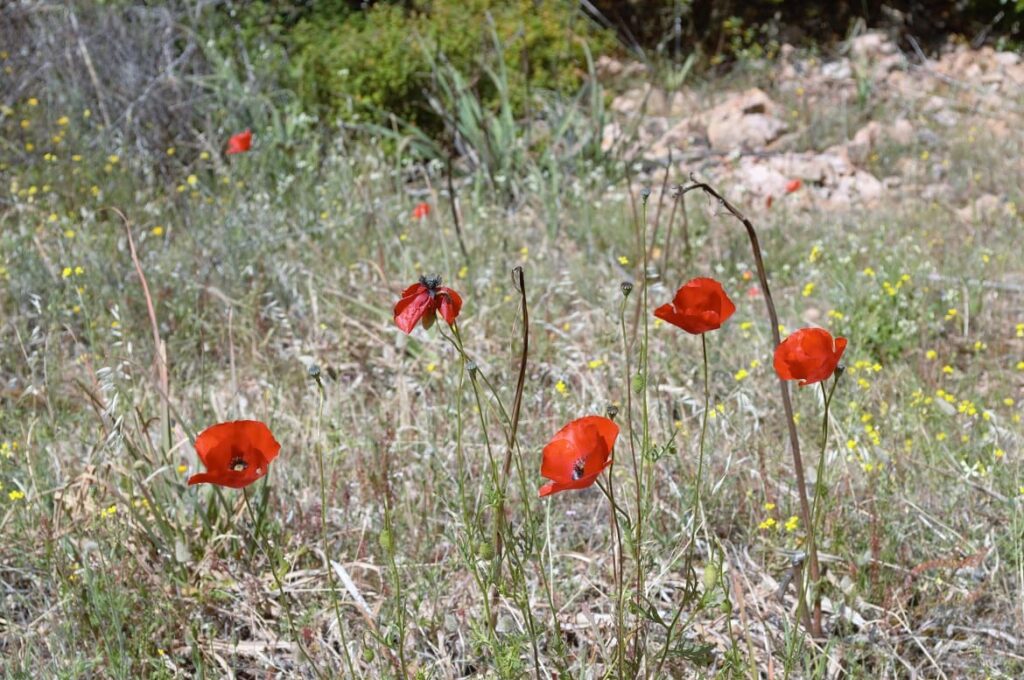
x=240, y=143
x=699, y=306
x=424, y=300
x=809, y=355
x=420, y=211
x=235, y=454
x=793, y=185
x=578, y=454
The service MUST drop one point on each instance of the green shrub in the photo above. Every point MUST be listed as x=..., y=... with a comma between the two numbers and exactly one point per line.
x=357, y=65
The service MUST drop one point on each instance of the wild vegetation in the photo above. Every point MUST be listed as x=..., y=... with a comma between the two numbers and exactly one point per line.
x=428, y=502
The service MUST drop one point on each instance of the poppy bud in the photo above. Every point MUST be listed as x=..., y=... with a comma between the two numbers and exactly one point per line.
x=840, y=369
x=710, y=576
x=368, y=654
x=314, y=372
x=385, y=540
x=626, y=288
x=611, y=411
x=726, y=607
x=645, y=193
x=485, y=550
x=472, y=367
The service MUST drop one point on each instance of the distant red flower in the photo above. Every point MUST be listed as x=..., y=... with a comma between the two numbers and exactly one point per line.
x=235, y=454
x=699, y=306
x=793, y=185
x=809, y=355
x=424, y=300
x=753, y=292
x=578, y=454
x=420, y=211
x=240, y=143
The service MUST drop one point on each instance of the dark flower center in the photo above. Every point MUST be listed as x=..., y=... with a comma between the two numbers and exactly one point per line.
x=431, y=283
x=577, y=469
x=238, y=464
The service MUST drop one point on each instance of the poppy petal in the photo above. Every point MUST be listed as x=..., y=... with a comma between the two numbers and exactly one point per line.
x=558, y=459
x=410, y=309
x=581, y=483
x=450, y=304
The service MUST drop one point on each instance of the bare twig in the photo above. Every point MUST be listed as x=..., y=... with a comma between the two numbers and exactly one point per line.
x=455, y=210
x=814, y=626
x=519, y=281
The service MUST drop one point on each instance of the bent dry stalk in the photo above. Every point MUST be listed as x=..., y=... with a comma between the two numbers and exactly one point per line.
x=812, y=625
x=519, y=280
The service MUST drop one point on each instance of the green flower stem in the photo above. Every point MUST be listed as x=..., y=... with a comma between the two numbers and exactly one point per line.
x=809, y=583
x=698, y=482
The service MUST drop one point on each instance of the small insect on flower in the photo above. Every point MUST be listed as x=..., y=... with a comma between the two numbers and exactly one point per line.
x=578, y=453
x=239, y=143
x=423, y=300
x=235, y=453
x=809, y=355
x=420, y=211
x=699, y=306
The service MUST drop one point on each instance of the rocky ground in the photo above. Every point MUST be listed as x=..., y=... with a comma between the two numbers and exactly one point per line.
x=754, y=143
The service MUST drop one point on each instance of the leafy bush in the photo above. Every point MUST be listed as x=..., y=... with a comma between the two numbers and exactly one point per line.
x=355, y=65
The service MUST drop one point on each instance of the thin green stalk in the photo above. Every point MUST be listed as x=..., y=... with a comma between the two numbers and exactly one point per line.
x=617, y=565
x=698, y=482
x=280, y=586
x=323, y=529
x=388, y=542
x=810, y=584
x=645, y=445
x=469, y=517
